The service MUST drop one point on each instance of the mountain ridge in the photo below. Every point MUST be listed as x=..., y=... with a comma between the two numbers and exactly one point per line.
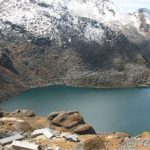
x=52, y=43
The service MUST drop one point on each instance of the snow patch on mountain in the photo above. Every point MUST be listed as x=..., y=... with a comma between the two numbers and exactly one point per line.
x=94, y=34
x=42, y=17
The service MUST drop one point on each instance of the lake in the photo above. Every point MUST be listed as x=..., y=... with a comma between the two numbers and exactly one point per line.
x=105, y=109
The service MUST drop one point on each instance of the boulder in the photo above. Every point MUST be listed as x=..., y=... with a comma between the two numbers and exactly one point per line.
x=23, y=112
x=66, y=119
x=84, y=129
x=70, y=121
x=16, y=111
x=28, y=113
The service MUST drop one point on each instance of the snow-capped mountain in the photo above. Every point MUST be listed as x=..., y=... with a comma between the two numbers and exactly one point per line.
x=144, y=19
x=42, y=17
x=74, y=42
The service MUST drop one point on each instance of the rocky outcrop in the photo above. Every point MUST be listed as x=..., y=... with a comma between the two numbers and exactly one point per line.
x=25, y=120
x=24, y=112
x=71, y=121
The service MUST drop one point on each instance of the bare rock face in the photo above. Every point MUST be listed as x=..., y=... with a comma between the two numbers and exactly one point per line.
x=71, y=121
x=57, y=42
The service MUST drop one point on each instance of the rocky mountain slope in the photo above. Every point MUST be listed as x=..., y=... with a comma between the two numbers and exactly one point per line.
x=74, y=42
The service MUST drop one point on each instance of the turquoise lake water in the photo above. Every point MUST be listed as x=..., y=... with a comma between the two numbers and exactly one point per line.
x=105, y=109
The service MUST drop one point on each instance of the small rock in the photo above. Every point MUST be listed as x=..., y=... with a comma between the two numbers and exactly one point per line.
x=16, y=111
x=24, y=112
x=1, y=114
x=2, y=122
x=28, y=113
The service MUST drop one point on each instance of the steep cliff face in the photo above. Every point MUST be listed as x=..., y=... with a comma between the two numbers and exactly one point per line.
x=74, y=42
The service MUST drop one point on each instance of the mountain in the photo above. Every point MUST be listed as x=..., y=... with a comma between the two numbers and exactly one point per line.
x=90, y=43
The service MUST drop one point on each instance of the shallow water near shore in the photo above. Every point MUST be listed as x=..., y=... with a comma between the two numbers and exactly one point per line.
x=105, y=109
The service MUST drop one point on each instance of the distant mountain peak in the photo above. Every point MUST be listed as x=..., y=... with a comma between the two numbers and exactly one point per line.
x=41, y=13
x=143, y=15
x=38, y=16
x=144, y=10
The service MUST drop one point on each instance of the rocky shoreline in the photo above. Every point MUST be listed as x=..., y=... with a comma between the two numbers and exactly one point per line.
x=72, y=123
x=8, y=97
